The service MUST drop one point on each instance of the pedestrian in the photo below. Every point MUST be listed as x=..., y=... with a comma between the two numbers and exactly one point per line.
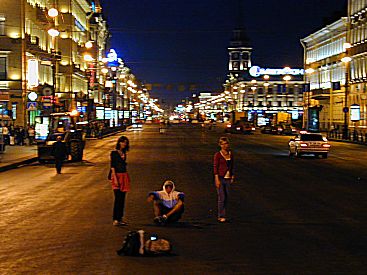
x=168, y=204
x=6, y=135
x=31, y=135
x=223, y=176
x=60, y=153
x=120, y=179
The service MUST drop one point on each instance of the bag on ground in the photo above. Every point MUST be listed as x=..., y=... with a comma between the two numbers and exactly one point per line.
x=157, y=247
x=133, y=244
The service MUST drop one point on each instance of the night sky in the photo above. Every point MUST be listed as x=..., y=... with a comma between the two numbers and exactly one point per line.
x=183, y=44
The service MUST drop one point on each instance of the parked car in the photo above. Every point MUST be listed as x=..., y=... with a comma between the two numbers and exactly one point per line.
x=240, y=127
x=309, y=143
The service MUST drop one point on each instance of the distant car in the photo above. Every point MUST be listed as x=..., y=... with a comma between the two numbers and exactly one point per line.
x=309, y=143
x=135, y=127
x=288, y=130
x=266, y=129
x=276, y=130
x=240, y=127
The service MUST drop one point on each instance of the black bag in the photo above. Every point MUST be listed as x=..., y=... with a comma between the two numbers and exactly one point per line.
x=131, y=245
x=109, y=175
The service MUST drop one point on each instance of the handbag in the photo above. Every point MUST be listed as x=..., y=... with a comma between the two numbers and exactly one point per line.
x=109, y=177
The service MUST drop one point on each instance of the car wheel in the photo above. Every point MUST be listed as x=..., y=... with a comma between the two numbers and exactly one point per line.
x=324, y=156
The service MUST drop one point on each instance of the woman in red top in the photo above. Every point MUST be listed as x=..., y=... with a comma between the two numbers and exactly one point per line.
x=119, y=179
x=223, y=176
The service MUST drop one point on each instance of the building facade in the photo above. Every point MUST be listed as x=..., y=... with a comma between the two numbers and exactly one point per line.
x=357, y=37
x=326, y=74
x=43, y=53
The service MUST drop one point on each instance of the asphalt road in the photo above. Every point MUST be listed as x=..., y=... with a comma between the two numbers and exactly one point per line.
x=288, y=216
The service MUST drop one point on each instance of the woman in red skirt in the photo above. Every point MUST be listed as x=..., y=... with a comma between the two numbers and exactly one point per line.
x=119, y=179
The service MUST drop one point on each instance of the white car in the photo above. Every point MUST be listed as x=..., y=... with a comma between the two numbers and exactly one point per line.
x=309, y=143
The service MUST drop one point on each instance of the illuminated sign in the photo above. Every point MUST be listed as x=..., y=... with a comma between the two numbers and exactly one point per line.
x=256, y=71
x=33, y=73
x=355, y=112
x=79, y=25
x=108, y=113
x=100, y=112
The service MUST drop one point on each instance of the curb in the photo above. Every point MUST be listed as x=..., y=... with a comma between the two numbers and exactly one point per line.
x=347, y=141
x=17, y=164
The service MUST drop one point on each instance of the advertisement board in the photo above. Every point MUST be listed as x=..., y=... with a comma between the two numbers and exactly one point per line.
x=355, y=112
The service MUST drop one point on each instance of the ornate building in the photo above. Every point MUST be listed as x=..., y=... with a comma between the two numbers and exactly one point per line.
x=43, y=45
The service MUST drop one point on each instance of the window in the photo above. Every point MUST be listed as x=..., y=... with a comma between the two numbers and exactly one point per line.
x=3, y=68
x=2, y=24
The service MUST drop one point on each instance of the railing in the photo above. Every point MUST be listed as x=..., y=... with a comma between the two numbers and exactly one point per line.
x=357, y=136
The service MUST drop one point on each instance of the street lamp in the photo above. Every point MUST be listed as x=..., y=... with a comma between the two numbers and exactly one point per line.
x=346, y=60
x=266, y=85
x=308, y=72
x=286, y=79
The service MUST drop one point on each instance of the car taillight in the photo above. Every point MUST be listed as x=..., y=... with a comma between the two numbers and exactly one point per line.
x=303, y=144
x=303, y=132
x=229, y=126
x=326, y=145
x=280, y=129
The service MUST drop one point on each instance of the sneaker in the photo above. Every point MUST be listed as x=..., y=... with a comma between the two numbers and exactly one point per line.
x=118, y=223
x=122, y=223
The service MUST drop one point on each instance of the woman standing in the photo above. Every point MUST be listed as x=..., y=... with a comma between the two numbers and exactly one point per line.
x=223, y=176
x=120, y=179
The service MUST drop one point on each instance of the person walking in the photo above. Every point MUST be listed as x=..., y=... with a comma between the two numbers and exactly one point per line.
x=223, y=176
x=31, y=135
x=120, y=179
x=60, y=153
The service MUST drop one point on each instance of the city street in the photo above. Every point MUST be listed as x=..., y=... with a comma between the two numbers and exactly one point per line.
x=287, y=215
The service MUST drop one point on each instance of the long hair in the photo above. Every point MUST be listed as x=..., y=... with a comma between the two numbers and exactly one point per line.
x=122, y=138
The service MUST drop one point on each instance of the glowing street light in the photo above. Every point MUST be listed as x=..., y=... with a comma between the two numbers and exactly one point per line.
x=53, y=12
x=53, y=32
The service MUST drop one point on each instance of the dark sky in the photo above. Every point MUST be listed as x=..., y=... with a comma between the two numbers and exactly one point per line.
x=185, y=42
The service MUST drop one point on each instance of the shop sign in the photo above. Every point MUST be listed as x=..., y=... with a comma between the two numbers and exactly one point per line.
x=256, y=71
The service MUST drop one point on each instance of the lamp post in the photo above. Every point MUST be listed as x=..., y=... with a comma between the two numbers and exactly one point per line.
x=308, y=71
x=346, y=60
x=54, y=33
x=286, y=79
x=266, y=85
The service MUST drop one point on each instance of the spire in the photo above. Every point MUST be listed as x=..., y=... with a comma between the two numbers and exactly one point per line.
x=239, y=36
x=240, y=14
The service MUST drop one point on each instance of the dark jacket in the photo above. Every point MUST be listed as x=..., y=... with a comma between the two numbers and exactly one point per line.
x=118, y=163
x=59, y=150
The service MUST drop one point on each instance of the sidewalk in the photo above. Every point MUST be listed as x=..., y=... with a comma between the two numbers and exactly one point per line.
x=17, y=155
